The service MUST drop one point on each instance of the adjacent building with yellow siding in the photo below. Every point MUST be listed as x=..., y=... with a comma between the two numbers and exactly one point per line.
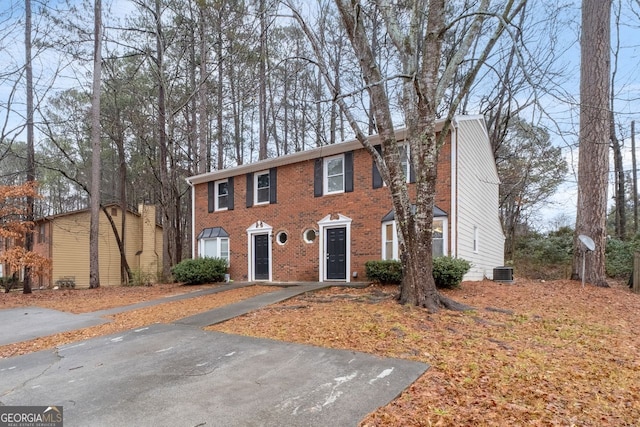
x=64, y=238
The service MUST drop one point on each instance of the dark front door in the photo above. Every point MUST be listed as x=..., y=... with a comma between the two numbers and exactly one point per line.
x=336, y=255
x=261, y=256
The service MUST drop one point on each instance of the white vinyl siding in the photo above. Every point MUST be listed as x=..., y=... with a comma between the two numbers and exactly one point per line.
x=480, y=238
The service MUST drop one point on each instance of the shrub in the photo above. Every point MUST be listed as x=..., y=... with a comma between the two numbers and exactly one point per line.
x=140, y=278
x=8, y=283
x=545, y=257
x=619, y=257
x=387, y=272
x=448, y=271
x=200, y=270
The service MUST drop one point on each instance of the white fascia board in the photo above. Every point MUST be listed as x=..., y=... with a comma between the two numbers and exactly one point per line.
x=301, y=156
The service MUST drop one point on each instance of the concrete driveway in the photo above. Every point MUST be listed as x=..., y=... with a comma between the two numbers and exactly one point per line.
x=27, y=323
x=180, y=375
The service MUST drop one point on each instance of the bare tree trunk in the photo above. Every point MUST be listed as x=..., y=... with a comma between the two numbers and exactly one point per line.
x=125, y=271
x=165, y=190
x=94, y=230
x=203, y=133
x=616, y=145
x=31, y=173
x=620, y=212
x=220, y=94
x=635, y=177
x=262, y=153
x=594, y=140
x=418, y=46
x=238, y=140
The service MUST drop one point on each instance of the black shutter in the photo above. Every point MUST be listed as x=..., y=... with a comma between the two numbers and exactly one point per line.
x=211, y=188
x=249, y=190
x=230, y=193
x=348, y=172
x=377, y=178
x=273, y=185
x=317, y=178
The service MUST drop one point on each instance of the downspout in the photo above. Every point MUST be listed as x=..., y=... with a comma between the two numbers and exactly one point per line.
x=193, y=218
x=454, y=188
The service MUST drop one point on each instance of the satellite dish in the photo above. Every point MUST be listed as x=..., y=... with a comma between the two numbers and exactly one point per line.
x=587, y=242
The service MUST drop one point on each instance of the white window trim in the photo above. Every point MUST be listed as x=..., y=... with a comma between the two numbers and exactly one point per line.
x=218, y=240
x=324, y=224
x=216, y=194
x=445, y=240
x=255, y=188
x=258, y=227
x=325, y=174
x=396, y=254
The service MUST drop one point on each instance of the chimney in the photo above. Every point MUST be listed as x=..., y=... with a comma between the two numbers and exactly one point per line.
x=148, y=255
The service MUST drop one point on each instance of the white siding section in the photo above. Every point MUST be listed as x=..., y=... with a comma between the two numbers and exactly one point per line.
x=477, y=200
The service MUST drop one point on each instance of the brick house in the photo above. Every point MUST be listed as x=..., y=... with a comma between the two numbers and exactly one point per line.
x=319, y=215
x=64, y=239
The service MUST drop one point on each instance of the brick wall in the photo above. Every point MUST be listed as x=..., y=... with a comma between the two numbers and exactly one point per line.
x=298, y=210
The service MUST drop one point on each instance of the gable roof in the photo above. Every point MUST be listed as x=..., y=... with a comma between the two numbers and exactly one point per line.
x=86, y=210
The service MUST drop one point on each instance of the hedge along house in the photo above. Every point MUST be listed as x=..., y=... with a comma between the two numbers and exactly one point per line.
x=64, y=238
x=319, y=215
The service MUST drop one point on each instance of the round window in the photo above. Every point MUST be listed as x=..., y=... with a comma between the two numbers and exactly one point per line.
x=282, y=237
x=310, y=235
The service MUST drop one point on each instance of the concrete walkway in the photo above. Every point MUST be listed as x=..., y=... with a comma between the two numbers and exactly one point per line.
x=230, y=311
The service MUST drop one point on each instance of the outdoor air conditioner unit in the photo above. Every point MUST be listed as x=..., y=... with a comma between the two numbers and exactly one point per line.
x=503, y=274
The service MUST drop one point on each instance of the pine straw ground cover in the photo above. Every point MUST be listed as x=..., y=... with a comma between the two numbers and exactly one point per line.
x=87, y=300
x=531, y=353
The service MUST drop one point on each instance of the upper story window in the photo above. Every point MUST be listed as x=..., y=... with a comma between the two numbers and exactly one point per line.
x=221, y=195
x=405, y=156
x=261, y=186
x=42, y=233
x=405, y=164
x=334, y=175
